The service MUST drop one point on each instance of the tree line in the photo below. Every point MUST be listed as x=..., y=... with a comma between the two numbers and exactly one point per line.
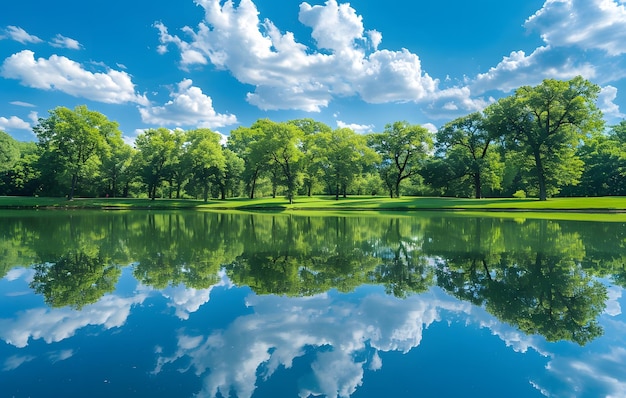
x=541, y=141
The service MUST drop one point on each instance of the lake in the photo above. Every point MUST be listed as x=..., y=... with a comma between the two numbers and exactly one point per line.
x=184, y=304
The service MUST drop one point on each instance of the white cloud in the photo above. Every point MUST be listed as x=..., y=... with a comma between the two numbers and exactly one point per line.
x=61, y=41
x=607, y=95
x=20, y=35
x=189, y=106
x=21, y=103
x=588, y=24
x=289, y=75
x=62, y=74
x=519, y=69
x=358, y=128
x=430, y=127
x=13, y=122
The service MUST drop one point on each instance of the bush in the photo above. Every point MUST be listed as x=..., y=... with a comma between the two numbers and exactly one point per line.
x=520, y=194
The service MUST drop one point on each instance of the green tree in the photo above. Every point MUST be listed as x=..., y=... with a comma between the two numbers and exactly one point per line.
x=548, y=122
x=311, y=173
x=604, y=171
x=75, y=138
x=231, y=177
x=403, y=148
x=467, y=145
x=9, y=152
x=116, y=168
x=158, y=149
x=244, y=141
x=281, y=141
x=342, y=155
x=206, y=159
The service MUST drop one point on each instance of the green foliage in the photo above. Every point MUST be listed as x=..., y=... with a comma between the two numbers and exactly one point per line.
x=546, y=140
x=546, y=123
x=468, y=148
x=9, y=152
x=403, y=149
x=74, y=141
x=519, y=194
x=159, y=151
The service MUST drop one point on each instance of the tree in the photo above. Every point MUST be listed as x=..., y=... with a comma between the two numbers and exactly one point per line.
x=244, y=142
x=157, y=151
x=75, y=137
x=466, y=143
x=310, y=171
x=281, y=142
x=342, y=154
x=403, y=148
x=9, y=152
x=206, y=158
x=604, y=172
x=231, y=176
x=547, y=122
x=116, y=167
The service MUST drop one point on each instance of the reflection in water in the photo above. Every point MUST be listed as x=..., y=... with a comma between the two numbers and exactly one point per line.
x=539, y=277
x=282, y=329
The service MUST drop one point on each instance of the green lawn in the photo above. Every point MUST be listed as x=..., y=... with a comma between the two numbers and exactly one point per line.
x=602, y=204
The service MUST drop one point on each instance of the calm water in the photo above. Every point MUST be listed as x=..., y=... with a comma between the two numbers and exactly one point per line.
x=147, y=304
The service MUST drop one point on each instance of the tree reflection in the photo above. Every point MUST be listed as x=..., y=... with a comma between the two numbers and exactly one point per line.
x=536, y=282
x=538, y=275
x=75, y=279
x=302, y=256
x=403, y=268
x=187, y=249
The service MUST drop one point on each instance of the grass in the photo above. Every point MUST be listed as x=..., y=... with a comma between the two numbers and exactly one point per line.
x=580, y=209
x=601, y=204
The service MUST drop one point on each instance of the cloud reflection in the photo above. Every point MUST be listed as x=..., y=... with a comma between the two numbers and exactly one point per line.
x=281, y=329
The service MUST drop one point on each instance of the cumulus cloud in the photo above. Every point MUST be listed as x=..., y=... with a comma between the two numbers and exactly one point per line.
x=13, y=123
x=588, y=24
x=189, y=106
x=519, y=69
x=606, y=97
x=61, y=41
x=358, y=128
x=62, y=74
x=20, y=35
x=289, y=75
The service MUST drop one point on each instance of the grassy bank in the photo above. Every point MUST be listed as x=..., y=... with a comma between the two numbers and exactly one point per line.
x=586, y=205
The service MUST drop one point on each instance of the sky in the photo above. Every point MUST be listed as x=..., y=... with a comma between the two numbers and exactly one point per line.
x=360, y=64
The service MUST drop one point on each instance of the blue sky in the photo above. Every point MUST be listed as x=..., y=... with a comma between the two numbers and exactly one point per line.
x=363, y=64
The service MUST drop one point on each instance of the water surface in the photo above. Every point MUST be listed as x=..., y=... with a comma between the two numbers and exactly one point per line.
x=182, y=304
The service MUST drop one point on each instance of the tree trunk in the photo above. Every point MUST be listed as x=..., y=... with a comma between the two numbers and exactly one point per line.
x=253, y=183
x=73, y=187
x=477, y=186
x=337, y=192
x=541, y=177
